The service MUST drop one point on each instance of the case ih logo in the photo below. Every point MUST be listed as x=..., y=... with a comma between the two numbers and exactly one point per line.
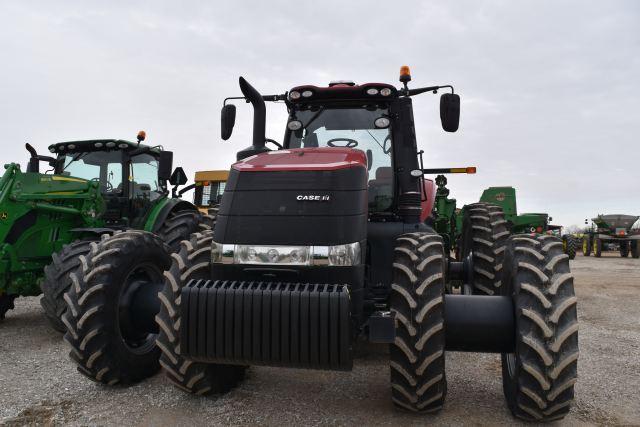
x=500, y=197
x=313, y=197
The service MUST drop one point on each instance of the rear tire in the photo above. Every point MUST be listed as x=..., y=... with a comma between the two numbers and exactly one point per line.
x=538, y=379
x=624, y=249
x=484, y=234
x=192, y=261
x=181, y=224
x=586, y=246
x=57, y=282
x=418, y=381
x=597, y=247
x=105, y=343
x=635, y=249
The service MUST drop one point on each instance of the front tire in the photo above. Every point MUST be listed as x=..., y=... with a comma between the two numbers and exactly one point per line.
x=57, y=282
x=538, y=379
x=635, y=249
x=192, y=261
x=418, y=381
x=107, y=343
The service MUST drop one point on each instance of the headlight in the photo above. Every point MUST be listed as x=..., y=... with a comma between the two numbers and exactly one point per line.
x=385, y=91
x=372, y=91
x=294, y=94
x=337, y=255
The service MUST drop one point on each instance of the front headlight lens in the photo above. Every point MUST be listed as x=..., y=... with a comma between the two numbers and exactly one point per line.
x=337, y=255
x=344, y=254
x=289, y=255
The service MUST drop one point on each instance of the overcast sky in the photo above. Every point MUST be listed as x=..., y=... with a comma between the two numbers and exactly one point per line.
x=550, y=90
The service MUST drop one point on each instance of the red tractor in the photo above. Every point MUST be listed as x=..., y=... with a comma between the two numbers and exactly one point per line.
x=318, y=242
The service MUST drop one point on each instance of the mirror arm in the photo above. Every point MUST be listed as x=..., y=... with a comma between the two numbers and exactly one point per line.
x=418, y=91
x=187, y=188
x=271, y=98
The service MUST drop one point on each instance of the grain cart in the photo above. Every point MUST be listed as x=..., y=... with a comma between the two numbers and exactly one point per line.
x=612, y=229
x=92, y=188
x=318, y=242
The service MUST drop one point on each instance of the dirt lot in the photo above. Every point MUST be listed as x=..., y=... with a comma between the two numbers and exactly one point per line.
x=39, y=385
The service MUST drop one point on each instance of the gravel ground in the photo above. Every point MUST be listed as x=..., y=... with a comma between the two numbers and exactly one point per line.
x=39, y=385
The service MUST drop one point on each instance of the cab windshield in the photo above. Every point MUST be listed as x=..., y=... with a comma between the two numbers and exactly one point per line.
x=352, y=128
x=105, y=167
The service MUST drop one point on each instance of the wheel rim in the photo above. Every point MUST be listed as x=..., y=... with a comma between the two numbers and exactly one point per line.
x=585, y=246
x=139, y=342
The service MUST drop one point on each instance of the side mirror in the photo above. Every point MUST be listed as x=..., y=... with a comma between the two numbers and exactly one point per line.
x=227, y=120
x=165, y=165
x=178, y=177
x=450, y=111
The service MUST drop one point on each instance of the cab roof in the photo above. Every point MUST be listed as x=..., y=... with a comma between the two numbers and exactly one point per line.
x=98, y=145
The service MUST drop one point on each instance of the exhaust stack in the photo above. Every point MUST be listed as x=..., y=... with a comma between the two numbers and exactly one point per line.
x=259, y=120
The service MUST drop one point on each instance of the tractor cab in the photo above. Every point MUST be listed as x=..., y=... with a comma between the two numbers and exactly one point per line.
x=131, y=176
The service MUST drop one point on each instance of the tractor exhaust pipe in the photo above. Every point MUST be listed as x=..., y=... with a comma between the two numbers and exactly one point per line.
x=259, y=120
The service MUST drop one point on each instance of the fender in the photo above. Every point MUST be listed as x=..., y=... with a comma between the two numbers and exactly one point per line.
x=163, y=209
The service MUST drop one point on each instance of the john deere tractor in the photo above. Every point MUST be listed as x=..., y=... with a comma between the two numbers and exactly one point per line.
x=90, y=189
x=321, y=240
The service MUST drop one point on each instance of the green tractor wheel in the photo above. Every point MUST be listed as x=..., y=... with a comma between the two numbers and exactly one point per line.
x=597, y=247
x=624, y=249
x=586, y=246
x=635, y=249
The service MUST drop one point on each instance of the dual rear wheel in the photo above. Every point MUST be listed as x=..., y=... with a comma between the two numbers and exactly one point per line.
x=538, y=377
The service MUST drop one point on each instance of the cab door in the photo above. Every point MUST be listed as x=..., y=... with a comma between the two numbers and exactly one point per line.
x=143, y=187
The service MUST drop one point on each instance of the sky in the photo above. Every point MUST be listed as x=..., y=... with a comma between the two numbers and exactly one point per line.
x=550, y=89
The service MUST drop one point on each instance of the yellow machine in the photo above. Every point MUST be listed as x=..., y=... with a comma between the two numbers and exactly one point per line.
x=209, y=186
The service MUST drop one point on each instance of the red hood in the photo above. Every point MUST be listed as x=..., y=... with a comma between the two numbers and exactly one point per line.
x=325, y=158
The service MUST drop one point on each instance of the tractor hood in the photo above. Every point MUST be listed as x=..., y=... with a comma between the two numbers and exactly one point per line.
x=310, y=196
x=303, y=159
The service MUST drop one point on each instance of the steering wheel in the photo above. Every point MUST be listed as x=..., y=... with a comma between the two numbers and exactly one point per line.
x=350, y=142
x=276, y=143
x=384, y=145
x=108, y=187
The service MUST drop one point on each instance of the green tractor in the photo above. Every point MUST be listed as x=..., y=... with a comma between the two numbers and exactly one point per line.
x=91, y=189
x=609, y=230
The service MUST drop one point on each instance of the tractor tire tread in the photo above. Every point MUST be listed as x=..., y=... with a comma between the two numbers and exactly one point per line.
x=418, y=382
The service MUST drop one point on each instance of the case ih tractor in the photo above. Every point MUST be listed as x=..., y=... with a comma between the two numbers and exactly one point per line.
x=608, y=229
x=320, y=241
x=92, y=188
